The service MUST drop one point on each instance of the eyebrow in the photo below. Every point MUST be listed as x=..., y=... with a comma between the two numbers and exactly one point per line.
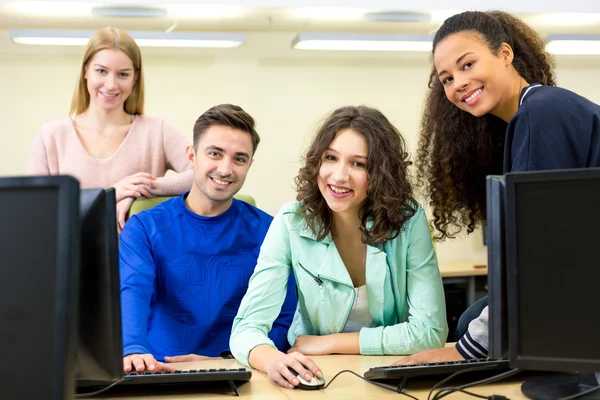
x=356, y=155
x=457, y=61
x=102, y=66
x=222, y=150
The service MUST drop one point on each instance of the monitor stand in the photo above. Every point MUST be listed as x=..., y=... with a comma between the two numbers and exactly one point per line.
x=552, y=387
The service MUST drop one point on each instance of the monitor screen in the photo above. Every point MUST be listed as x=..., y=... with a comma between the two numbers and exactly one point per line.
x=552, y=240
x=39, y=286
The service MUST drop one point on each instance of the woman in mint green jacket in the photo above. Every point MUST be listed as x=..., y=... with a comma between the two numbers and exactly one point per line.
x=360, y=248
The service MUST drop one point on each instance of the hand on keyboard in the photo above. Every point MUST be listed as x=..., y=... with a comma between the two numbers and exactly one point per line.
x=189, y=357
x=144, y=362
x=429, y=356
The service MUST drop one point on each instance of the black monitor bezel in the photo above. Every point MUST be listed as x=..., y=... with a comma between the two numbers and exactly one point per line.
x=496, y=250
x=117, y=330
x=109, y=369
x=518, y=360
x=67, y=280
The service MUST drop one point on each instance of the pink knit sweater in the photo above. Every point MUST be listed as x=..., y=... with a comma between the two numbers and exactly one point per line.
x=152, y=146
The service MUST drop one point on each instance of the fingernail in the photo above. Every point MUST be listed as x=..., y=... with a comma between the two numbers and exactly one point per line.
x=319, y=374
x=308, y=377
x=151, y=367
x=296, y=381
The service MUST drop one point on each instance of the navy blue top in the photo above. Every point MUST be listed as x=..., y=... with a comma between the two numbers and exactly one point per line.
x=183, y=277
x=553, y=128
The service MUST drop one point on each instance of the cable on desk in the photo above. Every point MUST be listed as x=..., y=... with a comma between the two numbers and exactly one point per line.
x=472, y=394
x=455, y=374
x=395, y=389
x=97, y=392
x=449, y=390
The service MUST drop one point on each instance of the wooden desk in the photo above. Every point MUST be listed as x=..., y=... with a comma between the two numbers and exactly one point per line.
x=453, y=269
x=345, y=386
x=463, y=271
x=348, y=386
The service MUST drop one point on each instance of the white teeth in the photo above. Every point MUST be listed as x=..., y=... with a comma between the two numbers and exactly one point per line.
x=108, y=95
x=339, y=191
x=471, y=97
x=220, y=182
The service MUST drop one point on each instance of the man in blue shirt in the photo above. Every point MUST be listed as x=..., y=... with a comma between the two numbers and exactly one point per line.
x=186, y=263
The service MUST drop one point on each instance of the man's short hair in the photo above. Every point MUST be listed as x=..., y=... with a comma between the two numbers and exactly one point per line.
x=227, y=115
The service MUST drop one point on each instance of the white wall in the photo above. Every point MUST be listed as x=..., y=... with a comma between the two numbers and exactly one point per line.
x=288, y=98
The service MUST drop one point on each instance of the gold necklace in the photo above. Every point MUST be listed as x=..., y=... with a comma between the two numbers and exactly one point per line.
x=107, y=138
x=103, y=135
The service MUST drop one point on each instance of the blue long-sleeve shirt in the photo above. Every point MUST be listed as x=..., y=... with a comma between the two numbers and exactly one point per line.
x=183, y=277
x=553, y=128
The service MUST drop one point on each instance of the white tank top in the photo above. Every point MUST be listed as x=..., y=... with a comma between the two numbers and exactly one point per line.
x=359, y=314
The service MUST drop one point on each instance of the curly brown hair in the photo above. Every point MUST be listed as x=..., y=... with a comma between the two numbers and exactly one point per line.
x=390, y=201
x=458, y=150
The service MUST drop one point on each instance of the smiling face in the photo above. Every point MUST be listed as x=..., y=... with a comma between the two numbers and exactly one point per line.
x=342, y=178
x=475, y=79
x=221, y=160
x=110, y=77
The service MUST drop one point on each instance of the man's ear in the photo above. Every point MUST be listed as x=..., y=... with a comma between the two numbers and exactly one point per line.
x=191, y=155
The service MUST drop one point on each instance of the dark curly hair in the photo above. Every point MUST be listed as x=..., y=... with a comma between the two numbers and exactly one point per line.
x=390, y=201
x=458, y=150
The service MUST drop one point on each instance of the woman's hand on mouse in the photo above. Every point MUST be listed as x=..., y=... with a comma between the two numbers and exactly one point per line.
x=277, y=365
x=279, y=369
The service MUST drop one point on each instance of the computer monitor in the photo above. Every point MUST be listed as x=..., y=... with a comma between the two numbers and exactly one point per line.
x=497, y=304
x=552, y=240
x=39, y=247
x=99, y=350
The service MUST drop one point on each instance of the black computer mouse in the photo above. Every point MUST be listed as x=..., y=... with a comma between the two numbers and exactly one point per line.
x=314, y=384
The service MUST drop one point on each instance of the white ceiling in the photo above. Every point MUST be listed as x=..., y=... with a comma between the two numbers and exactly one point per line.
x=263, y=24
x=198, y=17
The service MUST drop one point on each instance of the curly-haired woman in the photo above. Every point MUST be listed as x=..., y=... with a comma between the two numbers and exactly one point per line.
x=360, y=248
x=493, y=108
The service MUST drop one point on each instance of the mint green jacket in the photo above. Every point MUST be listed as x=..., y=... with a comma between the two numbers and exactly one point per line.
x=404, y=289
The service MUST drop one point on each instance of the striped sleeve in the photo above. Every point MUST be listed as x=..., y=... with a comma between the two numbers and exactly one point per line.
x=474, y=343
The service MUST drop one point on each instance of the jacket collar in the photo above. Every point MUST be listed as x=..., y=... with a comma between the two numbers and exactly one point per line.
x=307, y=233
x=332, y=267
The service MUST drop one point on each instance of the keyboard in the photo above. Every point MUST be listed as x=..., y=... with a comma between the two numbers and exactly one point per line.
x=179, y=377
x=434, y=369
x=186, y=376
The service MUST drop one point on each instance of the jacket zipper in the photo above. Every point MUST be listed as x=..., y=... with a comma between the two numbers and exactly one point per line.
x=317, y=279
x=320, y=283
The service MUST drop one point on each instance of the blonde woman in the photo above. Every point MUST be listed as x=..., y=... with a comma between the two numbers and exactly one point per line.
x=107, y=140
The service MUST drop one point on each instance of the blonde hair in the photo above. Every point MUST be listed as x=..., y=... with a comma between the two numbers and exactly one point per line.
x=111, y=38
